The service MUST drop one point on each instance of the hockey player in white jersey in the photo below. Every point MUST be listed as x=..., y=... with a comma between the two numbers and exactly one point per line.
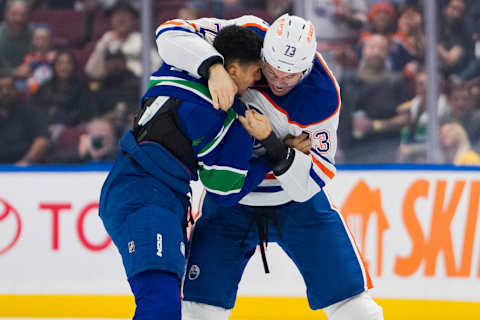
x=302, y=100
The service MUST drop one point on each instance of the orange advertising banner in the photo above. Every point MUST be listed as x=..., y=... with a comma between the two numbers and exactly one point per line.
x=417, y=228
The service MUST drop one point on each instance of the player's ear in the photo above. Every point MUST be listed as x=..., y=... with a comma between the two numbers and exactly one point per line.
x=233, y=68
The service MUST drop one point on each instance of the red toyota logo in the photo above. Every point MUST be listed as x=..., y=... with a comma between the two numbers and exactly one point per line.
x=7, y=210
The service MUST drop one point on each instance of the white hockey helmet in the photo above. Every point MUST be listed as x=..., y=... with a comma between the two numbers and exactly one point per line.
x=290, y=44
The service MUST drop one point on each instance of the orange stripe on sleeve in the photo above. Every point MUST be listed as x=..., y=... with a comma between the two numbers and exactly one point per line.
x=324, y=169
x=254, y=25
x=175, y=23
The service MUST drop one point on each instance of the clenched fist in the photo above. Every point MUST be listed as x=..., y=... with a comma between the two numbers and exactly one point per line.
x=256, y=124
x=221, y=86
x=301, y=142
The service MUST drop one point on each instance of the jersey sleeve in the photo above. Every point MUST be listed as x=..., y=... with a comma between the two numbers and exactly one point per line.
x=187, y=44
x=223, y=149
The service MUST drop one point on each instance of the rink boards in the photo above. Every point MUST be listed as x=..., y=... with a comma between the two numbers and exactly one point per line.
x=417, y=227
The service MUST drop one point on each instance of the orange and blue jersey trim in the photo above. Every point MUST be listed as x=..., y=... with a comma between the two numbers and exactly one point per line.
x=337, y=87
x=172, y=25
x=255, y=27
x=335, y=111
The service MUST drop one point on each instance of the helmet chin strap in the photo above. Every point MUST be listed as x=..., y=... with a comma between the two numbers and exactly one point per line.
x=305, y=72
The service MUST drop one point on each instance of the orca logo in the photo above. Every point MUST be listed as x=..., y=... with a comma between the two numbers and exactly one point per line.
x=9, y=217
x=194, y=272
x=362, y=204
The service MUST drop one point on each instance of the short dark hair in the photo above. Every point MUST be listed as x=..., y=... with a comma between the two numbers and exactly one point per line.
x=240, y=44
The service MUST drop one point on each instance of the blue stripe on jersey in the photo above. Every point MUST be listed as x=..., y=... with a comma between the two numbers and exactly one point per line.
x=170, y=29
x=324, y=158
x=269, y=189
x=317, y=179
x=258, y=31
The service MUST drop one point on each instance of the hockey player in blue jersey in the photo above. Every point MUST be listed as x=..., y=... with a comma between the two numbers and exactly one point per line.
x=301, y=100
x=144, y=200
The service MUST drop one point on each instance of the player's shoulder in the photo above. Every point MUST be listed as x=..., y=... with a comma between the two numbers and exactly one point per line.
x=253, y=23
x=251, y=20
x=321, y=75
x=318, y=93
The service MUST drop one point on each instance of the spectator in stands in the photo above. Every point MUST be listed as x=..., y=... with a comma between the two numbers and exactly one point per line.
x=23, y=129
x=217, y=8
x=15, y=36
x=119, y=92
x=277, y=8
x=92, y=142
x=80, y=4
x=66, y=98
x=462, y=107
x=3, y=4
x=473, y=70
x=455, y=145
x=99, y=143
x=122, y=36
x=381, y=18
x=337, y=25
x=37, y=67
x=187, y=13
x=95, y=22
x=413, y=143
x=368, y=129
x=455, y=38
x=408, y=43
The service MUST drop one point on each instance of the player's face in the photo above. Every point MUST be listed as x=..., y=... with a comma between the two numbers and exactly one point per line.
x=246, y=75
x=280, y=82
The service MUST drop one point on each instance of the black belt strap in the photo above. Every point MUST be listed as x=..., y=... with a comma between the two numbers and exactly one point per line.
x=261, y=217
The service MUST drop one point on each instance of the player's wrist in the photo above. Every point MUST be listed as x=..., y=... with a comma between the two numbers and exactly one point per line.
x=279, y=154
x=209, y=65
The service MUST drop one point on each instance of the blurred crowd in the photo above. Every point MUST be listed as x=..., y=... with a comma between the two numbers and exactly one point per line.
x=70, y=74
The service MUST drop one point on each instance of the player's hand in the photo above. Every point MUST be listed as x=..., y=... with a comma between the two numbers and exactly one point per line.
x=301, y=142
x=221, y=86
x=256, y=124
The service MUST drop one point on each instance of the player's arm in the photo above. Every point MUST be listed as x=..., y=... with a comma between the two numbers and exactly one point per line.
x=187, y=45
x=223, y=149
